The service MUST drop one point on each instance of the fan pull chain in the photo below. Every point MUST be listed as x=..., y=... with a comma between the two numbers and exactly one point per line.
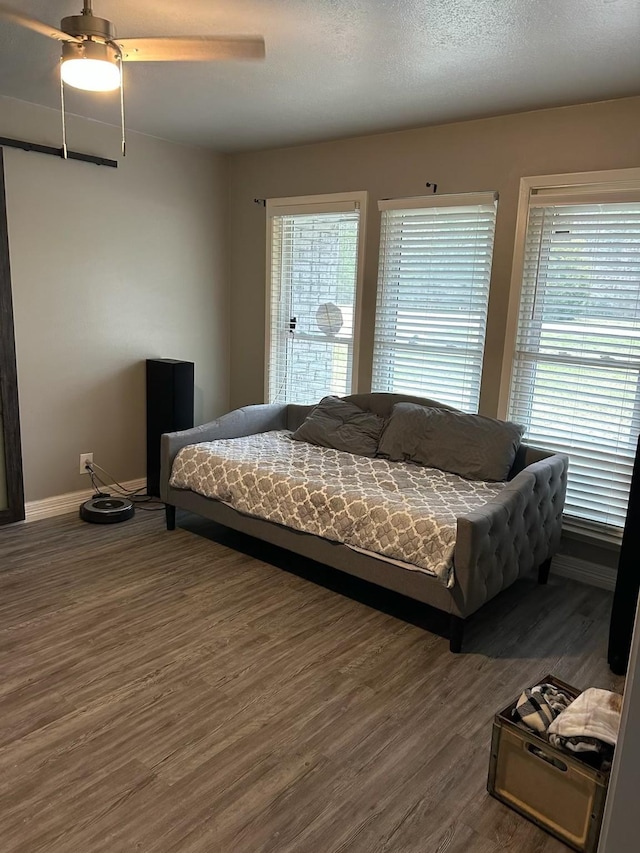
x=64, y=126
x=123, y=139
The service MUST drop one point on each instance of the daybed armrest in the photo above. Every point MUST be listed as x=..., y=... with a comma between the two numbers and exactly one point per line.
x=248, y=420
x=512, y=534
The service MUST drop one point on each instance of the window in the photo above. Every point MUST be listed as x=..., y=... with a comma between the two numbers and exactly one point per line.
x=433, y=291
x=314, y=264
x=575, y=379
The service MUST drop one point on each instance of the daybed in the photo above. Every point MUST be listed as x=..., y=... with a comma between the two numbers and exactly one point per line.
x=515, y=531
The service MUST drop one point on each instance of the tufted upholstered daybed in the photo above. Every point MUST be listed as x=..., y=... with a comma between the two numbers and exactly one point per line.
x=516, y=531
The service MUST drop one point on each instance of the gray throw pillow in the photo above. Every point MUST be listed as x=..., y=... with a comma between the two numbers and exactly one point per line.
x=341, y=425
x=472, y=446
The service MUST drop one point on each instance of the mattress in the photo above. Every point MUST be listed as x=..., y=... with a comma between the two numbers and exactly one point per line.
x=397, y=510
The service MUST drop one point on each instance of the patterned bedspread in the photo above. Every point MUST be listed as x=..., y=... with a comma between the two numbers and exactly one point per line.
x=401, y=511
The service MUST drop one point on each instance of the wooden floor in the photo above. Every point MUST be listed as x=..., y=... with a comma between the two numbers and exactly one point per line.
x=161, y=692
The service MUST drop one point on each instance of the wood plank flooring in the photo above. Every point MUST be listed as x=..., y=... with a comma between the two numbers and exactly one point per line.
x=160, y=692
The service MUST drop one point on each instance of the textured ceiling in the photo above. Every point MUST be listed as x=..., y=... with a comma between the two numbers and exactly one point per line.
x=342, y=67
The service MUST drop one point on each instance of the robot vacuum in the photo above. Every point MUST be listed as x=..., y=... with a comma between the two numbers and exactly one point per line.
x=106, y=510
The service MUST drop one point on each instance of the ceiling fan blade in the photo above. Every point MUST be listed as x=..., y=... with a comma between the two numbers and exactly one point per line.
x=191, y=48
x=10, y=14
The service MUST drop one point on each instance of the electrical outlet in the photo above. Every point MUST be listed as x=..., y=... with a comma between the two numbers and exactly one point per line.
x=84, y=458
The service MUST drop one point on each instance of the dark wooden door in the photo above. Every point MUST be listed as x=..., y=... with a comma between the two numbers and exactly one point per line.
x=11, y=488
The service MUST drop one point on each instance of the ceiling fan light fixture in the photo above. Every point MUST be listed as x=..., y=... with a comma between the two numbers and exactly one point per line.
x=92, y=58
x=91, y=66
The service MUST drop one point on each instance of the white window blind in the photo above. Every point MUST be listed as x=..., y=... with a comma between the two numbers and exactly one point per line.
x=313, y=276
x=576, y=372
x=433, y=292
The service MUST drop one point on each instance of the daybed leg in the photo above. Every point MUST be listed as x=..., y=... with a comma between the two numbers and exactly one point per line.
x=456, y=633
x=170, y=515
x=543, y=571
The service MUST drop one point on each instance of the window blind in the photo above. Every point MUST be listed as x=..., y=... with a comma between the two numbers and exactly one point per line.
x=313, y=275
x=433, y=292
x=576, y=371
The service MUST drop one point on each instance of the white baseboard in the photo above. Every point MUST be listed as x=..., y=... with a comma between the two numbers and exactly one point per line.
x=584, y=571
x=62, y=504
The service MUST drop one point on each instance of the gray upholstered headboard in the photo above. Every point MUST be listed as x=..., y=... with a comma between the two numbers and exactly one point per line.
x=380, y=403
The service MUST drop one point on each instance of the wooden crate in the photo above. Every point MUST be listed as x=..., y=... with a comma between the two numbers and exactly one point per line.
x=553, y=788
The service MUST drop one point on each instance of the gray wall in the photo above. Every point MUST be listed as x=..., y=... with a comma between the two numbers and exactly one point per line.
x=490, y=154
x=109, y=267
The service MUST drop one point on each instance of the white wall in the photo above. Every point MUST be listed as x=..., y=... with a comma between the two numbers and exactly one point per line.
x=109, y=267
x=621, y=825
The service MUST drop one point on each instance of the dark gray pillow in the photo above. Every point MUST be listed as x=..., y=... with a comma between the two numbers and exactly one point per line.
x=472, y=446
x=341, y=425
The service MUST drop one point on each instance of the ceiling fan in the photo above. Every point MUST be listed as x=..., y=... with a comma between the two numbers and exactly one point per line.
x=92, y=55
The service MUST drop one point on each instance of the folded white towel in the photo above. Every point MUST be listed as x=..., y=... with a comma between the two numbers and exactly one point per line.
x=594, y=714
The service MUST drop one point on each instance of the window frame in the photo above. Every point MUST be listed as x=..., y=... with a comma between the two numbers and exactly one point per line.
x=587, y=187
x=608, y=181
x=429, y=202
x=322, y=203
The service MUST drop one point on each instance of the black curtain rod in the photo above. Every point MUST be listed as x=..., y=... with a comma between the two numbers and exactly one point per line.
x=57, y=152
